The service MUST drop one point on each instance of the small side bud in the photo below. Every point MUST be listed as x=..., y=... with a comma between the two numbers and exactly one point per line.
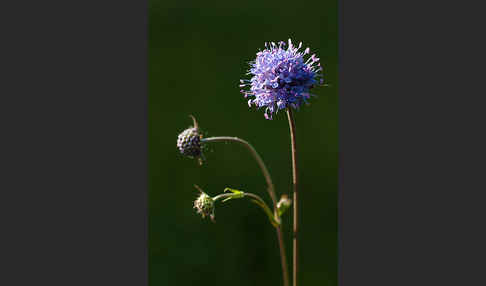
x=283, y=204
x=204, y=205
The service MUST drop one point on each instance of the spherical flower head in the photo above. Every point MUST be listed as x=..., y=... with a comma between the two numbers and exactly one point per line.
x=204, y=205
x=189, y=141
x=281, y=78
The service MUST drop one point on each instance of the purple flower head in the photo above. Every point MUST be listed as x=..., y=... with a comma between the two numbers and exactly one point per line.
x=281, y=77
x=189, y=141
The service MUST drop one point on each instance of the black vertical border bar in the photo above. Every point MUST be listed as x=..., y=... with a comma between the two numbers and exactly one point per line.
x=74, y=134
x=340, y=139
x=411, y=156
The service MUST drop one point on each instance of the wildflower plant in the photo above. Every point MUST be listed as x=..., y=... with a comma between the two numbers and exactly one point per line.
x=282, y=77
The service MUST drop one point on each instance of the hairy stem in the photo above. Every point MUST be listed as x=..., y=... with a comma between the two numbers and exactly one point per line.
x=296, y=202
x=271, y=192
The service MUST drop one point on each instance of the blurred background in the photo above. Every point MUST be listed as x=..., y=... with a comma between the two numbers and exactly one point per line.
x=196, y=56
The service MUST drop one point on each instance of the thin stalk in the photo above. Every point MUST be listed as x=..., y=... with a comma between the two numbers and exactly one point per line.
x=296, y=202
x=222, y=196
x=266, y=174
x=243, y=194
x=256, y=199
x=271, y=192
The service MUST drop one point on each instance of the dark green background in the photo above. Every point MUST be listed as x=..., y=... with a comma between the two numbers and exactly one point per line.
x=196, y=58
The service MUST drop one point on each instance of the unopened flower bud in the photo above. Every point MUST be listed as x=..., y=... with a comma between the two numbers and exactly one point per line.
x=204, y=205
x=283, y=204
x=189, y=141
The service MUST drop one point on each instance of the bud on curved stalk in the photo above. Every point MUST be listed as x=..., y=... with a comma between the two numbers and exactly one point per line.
x=204, y=204
x=189, y=142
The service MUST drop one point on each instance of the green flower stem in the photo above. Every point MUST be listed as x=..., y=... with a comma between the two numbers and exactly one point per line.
x=271, y=192
x=295, y=202
x=257, y=199
x=275, y=220
x=258, y=158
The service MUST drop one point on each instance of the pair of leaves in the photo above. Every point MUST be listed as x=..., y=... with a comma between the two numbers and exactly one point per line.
x=236, y=194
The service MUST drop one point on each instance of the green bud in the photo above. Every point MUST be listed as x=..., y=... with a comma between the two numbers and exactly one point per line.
x=283, y=204
x=204, y=205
